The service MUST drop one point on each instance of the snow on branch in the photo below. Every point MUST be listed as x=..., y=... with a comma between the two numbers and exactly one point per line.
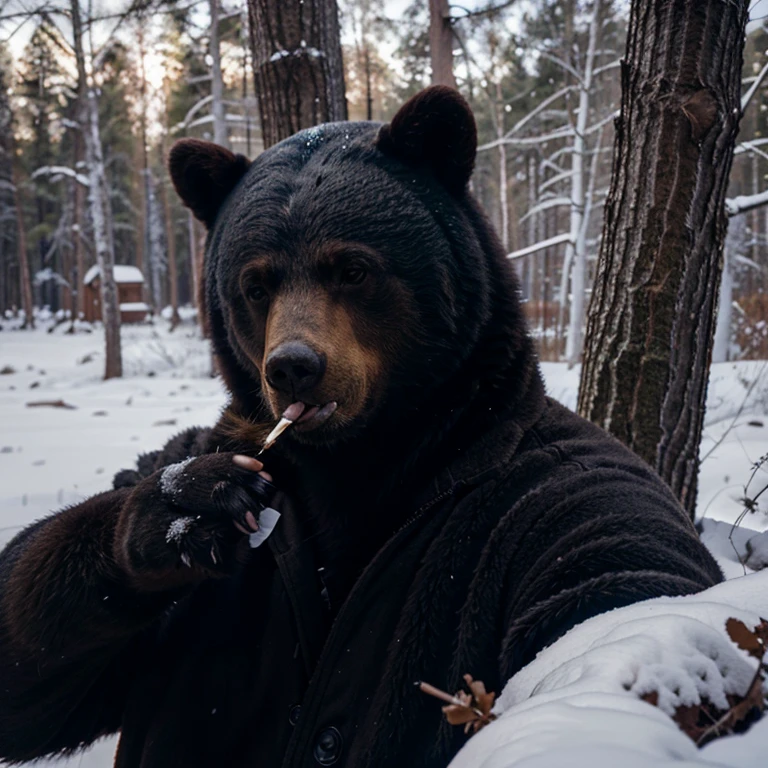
x=747, y=97
x=540, y=246
x=745, y=203
x=746, y=146
x=750, y=146
x=61, y=170
x=553, y=202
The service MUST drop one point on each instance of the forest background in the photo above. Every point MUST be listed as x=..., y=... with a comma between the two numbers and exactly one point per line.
x=526, y=67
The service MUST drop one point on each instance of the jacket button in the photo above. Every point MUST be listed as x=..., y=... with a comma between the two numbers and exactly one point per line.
x=328, y=746
x=293, y=714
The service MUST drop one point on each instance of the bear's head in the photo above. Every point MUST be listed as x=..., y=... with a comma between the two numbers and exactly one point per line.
x=349, y=269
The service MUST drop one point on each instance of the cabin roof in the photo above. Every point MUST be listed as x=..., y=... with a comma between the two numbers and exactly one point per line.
x=124, y=273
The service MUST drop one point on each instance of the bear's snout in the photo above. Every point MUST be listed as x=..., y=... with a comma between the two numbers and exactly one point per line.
x=294, y=368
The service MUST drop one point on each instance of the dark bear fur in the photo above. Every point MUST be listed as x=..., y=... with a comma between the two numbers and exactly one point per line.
x=446, y=519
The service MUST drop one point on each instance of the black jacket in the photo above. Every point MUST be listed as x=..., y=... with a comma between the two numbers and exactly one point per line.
x=529, y=531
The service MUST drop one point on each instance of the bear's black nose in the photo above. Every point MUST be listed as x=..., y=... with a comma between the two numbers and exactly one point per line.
x=294, y=368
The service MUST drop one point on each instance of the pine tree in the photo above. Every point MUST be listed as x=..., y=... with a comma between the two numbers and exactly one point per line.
x=297, y=65
x=651, y=319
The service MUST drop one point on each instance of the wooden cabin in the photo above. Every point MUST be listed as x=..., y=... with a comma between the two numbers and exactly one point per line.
x=130, y=291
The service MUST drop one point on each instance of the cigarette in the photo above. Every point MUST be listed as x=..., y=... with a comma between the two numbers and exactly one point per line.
x=292, y=412
x=282, y=425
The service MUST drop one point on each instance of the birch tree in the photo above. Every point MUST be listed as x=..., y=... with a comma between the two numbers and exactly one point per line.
x=652, y=314
x=220, y=135
x=21, y=243
x=576, y=250
x=568, y=145
x=7, y=189
x=98, y=199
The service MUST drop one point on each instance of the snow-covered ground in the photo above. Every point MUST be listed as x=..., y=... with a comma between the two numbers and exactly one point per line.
x=52, y=456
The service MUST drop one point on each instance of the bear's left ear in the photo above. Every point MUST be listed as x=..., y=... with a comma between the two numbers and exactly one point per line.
x=204, y=174
x=434, y=129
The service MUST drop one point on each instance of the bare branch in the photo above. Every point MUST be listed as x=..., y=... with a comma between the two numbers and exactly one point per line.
x=553, y=202
x=60, y=170
x=747, y=97
x=540, y=246
x=613, y=65
x=563, y=64
x=525, y=120
x=745, y=203
x=490, y=10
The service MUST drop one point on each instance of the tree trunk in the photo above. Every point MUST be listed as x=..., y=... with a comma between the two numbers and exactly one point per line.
x=220, y=135
x=441, y=43
x=576, y=256
x=194, y=270
x=734, y=241
x=652, y=315
x=77, y=232
x=498, y=107
x=25, y=284
x=297, y=65
x=98, y=198
x=170, y=237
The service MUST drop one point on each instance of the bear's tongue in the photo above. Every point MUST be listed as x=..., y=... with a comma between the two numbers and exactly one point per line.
x=314, y=413
x=293, y=411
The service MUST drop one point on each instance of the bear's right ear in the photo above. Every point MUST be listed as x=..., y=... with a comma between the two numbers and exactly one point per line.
x=435, y=128
x=204, y=174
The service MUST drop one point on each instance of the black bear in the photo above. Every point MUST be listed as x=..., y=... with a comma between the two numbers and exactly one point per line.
x=439, y=514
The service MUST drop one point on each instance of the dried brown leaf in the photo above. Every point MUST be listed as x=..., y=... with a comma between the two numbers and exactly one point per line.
x=740, y=713
x=472, y=710
x=459, y=715
x=704, y=722
x=745, y=638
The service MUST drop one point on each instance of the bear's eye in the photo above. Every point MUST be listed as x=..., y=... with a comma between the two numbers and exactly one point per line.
x=353, y=275
x=256, y=293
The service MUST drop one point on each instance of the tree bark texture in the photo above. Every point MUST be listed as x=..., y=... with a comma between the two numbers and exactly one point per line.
x=441, y=43
x=652, y=314
x=297, y=65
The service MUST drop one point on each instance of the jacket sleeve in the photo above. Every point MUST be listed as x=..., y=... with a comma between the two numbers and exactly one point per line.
x=72, y=629
x=595, y=539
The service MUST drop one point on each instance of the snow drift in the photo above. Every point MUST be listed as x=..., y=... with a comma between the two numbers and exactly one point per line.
x=578, y=705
